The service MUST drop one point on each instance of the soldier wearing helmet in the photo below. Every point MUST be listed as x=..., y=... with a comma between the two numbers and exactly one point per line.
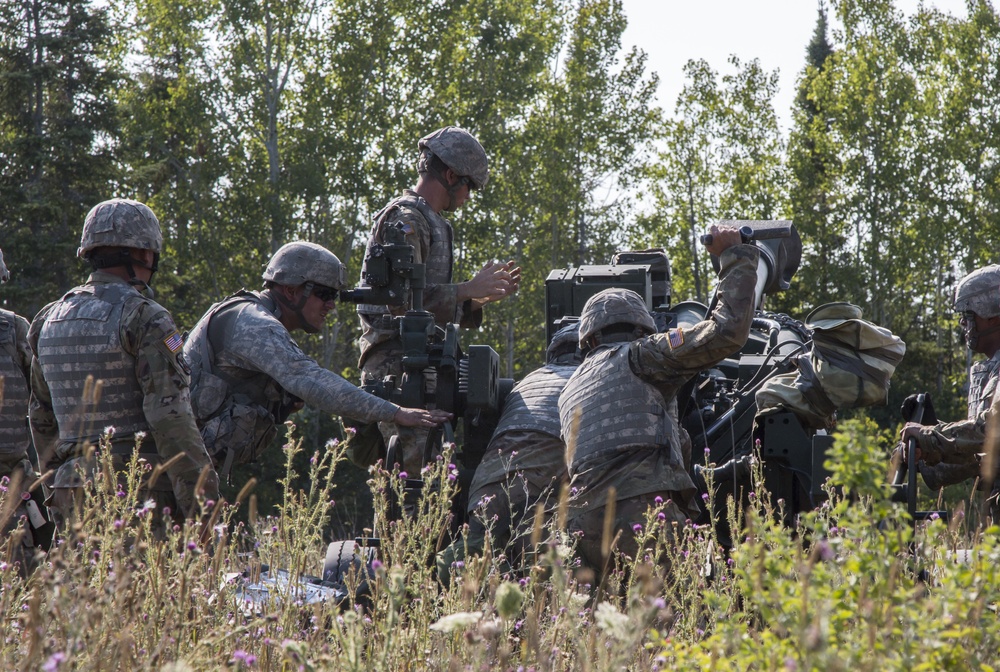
x=248, y=374
x=109, y=332
x=15, y=439
x=618, y=412
x=451, y=165
x=524, y=463
x=951, y=451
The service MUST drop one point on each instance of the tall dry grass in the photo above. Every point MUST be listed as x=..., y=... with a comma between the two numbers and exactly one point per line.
x=851, y=588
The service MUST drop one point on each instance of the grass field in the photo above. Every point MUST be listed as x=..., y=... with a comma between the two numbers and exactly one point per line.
x=851, y=588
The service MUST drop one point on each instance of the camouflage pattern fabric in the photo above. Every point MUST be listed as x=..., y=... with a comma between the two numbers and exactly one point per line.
x=256, y=375
x=120, y=222
x=664, y=361
x=460, y=151
x=381, y=348
x=961, y=443
x=629, y=513
x=430, y=234
x=521, y=468
x=149, y=338
x=15, y=369
x=16, y=470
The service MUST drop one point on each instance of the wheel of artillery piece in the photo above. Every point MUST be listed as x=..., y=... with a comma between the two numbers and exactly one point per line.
x=344, y=556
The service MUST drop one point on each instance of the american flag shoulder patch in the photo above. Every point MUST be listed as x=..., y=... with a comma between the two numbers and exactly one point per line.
x=174, y=342
x=675, y=337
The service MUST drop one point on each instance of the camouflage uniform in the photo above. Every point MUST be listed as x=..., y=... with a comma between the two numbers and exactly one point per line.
x=960, y=444
x=249, y=374
x=524, y=464
x=15, y=466
x=431, y=236
x=108, y=330
x=619, y=409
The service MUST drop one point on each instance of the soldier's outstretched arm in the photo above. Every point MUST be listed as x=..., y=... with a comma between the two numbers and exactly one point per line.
x=418, y=417
x=676, y=355
x=273, y=352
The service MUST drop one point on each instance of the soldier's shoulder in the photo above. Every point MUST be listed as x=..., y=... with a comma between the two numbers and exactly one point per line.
x=407, y=214
x=39, y=320
x=11, y=321
x=146, y=315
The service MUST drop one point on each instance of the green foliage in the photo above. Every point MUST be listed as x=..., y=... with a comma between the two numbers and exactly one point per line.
x=852, y=587
x=57, y=114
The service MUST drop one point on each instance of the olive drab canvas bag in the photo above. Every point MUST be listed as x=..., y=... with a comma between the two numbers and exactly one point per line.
x=849, y=366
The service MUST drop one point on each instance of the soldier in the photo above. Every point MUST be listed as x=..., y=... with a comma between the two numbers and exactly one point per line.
x=16, y=470
x=619, y=408
x=451, y=166
x=951, y=451
x=109, y=332
x=525, y=461
x=249, y=375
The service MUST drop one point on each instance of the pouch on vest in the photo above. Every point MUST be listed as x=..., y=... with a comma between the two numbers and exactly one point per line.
x=208, y=395
x=238, y=434
x=365, y=443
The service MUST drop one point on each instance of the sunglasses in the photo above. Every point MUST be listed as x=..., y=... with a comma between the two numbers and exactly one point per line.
x=467, y=181
x=324, y=294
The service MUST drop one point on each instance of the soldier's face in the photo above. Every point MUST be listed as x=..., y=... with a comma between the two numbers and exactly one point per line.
x=316, y=310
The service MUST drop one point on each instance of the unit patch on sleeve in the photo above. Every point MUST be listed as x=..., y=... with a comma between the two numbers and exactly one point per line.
x=675, y=337
x=174, y=342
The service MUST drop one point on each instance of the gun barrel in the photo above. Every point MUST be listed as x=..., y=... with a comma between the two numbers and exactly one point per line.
x=750, y=234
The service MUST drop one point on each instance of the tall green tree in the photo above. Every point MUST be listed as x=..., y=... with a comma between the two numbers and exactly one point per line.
x=169, y=150
x=57, y=136
x=812, y=162
x=723, y=159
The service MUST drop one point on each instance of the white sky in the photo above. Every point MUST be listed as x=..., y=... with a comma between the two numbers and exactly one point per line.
x=671, y=32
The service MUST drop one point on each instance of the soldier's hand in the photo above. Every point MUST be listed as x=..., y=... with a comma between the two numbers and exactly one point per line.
x=928, y=452
x=418, y=417
x=515, y=277
x=911, y=430
x=723, y=237
x=493, y=282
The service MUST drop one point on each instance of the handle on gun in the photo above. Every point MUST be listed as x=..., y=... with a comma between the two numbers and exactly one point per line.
x=911, y=444
x=747, y=235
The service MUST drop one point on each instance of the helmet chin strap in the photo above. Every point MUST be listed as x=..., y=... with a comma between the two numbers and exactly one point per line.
x=973, y=335
x=296, y=309
x=451, y=189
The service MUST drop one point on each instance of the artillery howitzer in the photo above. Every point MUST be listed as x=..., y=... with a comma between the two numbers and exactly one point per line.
x=777, y=397
x=718, y=407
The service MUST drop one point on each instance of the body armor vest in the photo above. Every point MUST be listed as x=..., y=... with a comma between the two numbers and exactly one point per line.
x=14, y=434
x=437, y=263
x=238, y=415
x=615, y=410
x=534, y=402
x=202, y=356
x=983, y=378
x=80, y=337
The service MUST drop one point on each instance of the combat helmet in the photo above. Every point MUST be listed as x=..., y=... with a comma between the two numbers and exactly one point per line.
x=4, y=271
x=611, y=307
x=564, y=342
x=300, y=262
x=460, y=151
x=120, y=222
x=979, y=292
